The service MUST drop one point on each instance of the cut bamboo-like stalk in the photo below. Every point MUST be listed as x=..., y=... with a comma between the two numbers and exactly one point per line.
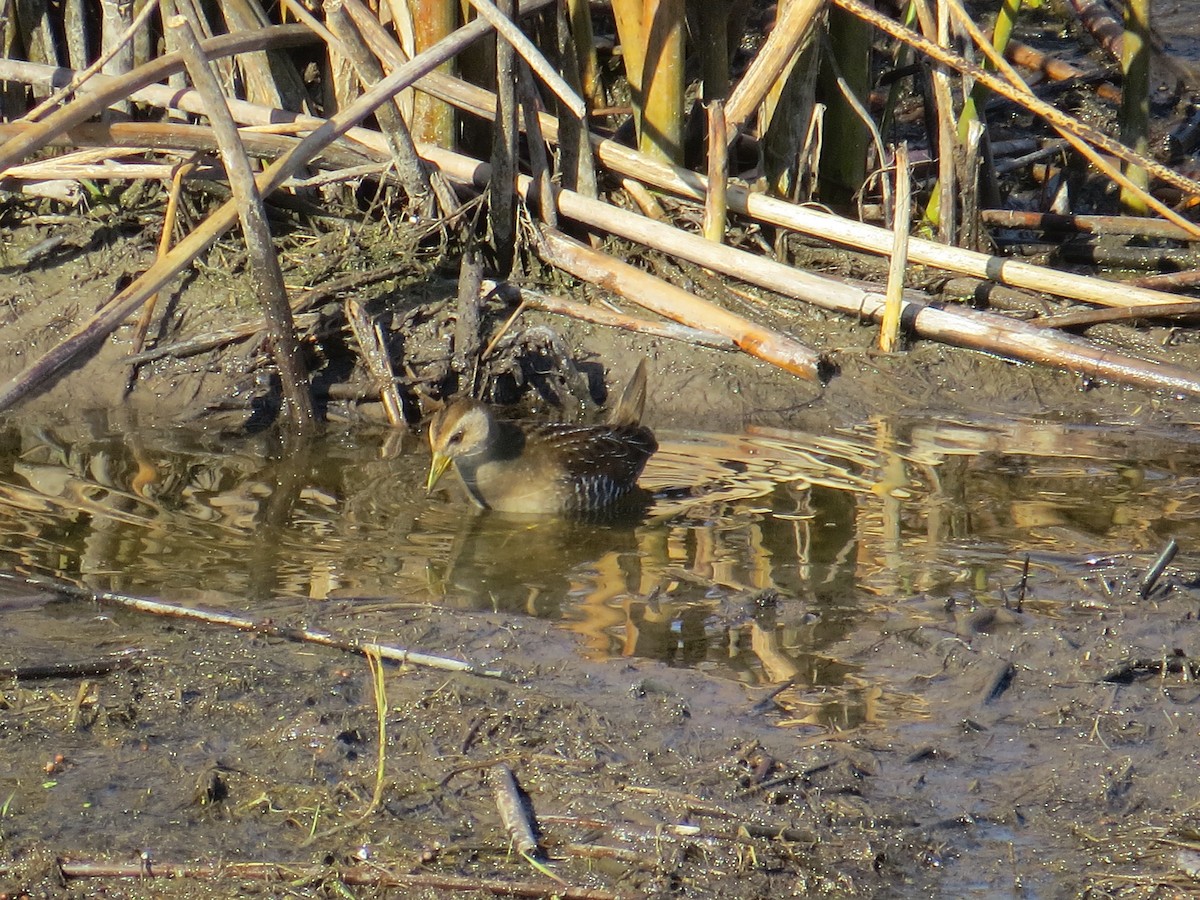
x=889, y=327
x=1134, y=115
x=433, y=21
x=662, y=82
x=675, y=303
x=718, y=177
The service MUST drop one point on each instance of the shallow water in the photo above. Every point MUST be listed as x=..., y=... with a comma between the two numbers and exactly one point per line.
x=831, y=523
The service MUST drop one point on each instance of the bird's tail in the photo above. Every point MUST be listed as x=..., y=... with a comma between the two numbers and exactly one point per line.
x=632, y=404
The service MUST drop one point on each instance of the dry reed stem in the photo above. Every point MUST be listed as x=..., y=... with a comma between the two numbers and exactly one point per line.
x=675, y=303
x=673, y=331
x=390, y=54
x=432, y=21
x=511, y=807
x=715, y=209
x=118, y=137
x=56, y=98
x=1110, y=171
x=506, y=133
x=369, y=70
x=529, y=52
x=889, y=326
x=181, y=171
x=372, y=346
x=826, y=226
x=771, y=61
x=221, y=878
x=266, y=275
x=941, y=209
x=686, y=183
x=1055, y=69
x=539, y=159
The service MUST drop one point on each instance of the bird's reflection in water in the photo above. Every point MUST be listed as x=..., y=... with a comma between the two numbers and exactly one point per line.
x=526, y=564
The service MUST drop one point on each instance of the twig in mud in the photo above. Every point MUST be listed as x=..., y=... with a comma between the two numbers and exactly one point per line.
x=1175, y=663
x=372, y=347
x=1023, y=584
x=737, y=832
x=513, y=812
x=83, y=669
x=1000, y=682
x=1157, y=568
x=379, y=692
x=1082, y=318
x=374, y=875
x=264, y=627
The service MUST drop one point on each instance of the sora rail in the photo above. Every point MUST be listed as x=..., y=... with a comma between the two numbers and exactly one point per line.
x=541, y=467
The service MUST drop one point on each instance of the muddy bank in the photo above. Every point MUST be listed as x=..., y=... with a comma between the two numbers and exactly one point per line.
x=413, y=289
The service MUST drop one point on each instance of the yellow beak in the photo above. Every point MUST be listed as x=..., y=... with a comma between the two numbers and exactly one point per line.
x=437, y=468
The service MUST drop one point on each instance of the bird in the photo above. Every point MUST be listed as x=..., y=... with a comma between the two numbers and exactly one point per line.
x=544, y=468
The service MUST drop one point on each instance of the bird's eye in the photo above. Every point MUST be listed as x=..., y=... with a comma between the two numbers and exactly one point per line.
x=455, y=438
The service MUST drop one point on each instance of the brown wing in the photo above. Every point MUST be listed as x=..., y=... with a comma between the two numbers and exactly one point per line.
x=599, y=464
